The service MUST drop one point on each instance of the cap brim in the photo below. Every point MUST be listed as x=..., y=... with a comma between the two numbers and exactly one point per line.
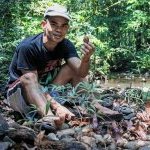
x=57, y=14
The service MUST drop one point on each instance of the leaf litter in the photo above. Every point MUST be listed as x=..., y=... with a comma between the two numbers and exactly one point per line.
x=89, y=129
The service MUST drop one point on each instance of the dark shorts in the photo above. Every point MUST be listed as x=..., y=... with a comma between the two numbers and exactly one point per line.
x=47, y=78
x=15, y=97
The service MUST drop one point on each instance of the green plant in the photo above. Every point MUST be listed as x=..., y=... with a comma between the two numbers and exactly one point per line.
x=117, y=29
x=134, y=95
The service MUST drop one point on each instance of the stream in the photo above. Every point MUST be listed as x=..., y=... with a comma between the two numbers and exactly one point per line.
x=127, y=82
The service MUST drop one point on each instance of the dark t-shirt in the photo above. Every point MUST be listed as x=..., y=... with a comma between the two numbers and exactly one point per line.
x=32, y=55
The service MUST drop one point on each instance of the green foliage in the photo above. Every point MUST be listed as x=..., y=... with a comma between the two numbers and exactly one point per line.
x=139, y=96
x=119, y=30
x=82, y=94
x=146, y=94
x=134, y=95
x=143, y=61
x=119, y=58
x=47, y=107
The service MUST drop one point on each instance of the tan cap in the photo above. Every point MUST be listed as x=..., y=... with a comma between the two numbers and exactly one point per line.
x=57, y=10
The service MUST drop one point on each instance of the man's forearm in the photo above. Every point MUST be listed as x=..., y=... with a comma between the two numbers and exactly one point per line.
x=84, y=67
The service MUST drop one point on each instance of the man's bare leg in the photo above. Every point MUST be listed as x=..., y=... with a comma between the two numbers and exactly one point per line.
x=33, y=95
x=67, y=75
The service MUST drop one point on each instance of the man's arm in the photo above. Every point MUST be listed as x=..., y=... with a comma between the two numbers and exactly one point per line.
x=79, y=66
x=82, y=66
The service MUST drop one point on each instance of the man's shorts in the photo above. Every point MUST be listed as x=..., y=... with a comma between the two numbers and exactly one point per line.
x=15, y=97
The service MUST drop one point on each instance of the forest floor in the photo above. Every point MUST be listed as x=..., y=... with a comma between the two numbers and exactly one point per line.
x=90, y=129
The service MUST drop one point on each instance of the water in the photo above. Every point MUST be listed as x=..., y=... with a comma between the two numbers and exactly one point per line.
x=124, y=82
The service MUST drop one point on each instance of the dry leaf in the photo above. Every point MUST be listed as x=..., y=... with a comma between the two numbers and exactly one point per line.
x=147, y=107
x=39, y=137
x=139, y=131
x=144, y=116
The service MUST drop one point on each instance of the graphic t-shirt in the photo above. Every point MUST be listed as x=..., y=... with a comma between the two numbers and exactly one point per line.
x=32, y=55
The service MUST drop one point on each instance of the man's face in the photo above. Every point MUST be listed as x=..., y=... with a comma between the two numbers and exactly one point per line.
x=55, y=28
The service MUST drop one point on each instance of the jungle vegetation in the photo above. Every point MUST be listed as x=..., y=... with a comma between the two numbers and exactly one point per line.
x=119, y=29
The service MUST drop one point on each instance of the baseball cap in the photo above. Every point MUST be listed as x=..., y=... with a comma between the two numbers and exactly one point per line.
x=57, y=10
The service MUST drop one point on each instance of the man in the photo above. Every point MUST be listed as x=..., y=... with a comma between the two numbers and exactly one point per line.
x=40, y=56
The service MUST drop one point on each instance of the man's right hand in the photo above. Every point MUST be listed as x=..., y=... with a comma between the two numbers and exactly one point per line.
x=62, y=112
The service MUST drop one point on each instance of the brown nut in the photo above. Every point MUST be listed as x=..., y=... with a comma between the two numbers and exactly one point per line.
x=86, y=39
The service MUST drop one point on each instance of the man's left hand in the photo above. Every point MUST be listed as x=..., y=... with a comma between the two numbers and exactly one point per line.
x=87, y=49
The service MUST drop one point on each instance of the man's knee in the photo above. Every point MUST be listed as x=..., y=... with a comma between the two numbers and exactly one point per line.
x=68, y=70
x=28, y=78
x=74, y=78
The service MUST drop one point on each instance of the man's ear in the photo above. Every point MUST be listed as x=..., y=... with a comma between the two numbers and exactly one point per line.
x=43, y=24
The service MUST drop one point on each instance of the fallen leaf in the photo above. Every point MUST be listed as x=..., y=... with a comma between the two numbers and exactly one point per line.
x=139, y=131
x=39, y=137
x=147, y=107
